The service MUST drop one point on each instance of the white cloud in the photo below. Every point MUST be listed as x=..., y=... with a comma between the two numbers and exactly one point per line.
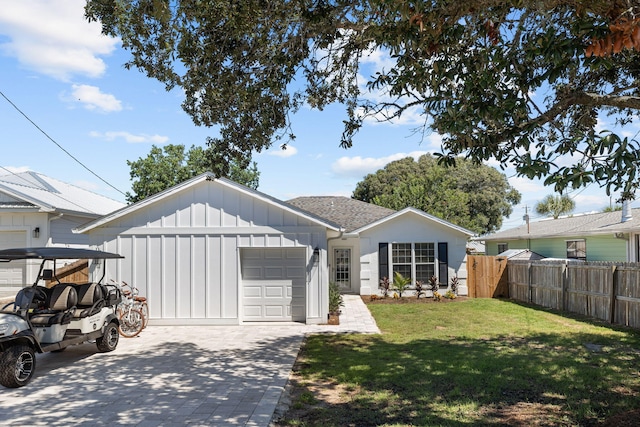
x=52, y=37
x=525, y=185
x=289, y=151
x=130, y=138
x=359, y=166
x=92, y=99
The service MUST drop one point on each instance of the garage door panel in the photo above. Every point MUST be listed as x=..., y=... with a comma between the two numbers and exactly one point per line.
x=274, y=272
x=278, y=294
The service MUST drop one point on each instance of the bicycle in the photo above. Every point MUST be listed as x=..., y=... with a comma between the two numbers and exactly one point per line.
x=132, y=320
x=139, y=302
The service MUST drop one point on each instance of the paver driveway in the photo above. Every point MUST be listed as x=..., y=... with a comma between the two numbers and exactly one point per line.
x=209, y=376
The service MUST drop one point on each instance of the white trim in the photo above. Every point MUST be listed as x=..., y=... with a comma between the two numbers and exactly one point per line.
x=418, y=212
x=207, y=176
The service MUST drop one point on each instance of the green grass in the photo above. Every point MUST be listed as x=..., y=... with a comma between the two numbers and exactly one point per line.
x=475, y=362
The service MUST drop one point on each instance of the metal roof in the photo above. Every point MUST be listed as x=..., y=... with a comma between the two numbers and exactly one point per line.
x=31, y=189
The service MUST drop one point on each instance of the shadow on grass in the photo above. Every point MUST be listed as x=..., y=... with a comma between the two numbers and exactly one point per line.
x=543, y=380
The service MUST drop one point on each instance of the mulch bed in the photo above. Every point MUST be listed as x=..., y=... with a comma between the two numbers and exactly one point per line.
x=409, y=300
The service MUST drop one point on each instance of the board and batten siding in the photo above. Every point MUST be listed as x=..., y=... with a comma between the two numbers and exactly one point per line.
x=183, y=252
x=411, y=228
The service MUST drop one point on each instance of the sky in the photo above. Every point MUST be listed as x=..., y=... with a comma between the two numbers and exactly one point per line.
x=71, y=111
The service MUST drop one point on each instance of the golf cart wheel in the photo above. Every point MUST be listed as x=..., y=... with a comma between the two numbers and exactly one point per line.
x=108, y=341
x=17, y=365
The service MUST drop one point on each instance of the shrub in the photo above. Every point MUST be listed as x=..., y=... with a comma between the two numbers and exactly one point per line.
x=455, y=284
x=385, y=285
x=437, y=296
x=450, y=294
x=335, y=298
x=400, y=283
x=419, y=288
x=433, y=285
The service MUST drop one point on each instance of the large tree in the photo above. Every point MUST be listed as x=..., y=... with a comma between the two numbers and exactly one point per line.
x=521, y=81
x=473, y=196
x=171, y=165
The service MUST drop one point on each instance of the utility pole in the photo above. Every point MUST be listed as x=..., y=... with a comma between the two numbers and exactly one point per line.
x=526, y=217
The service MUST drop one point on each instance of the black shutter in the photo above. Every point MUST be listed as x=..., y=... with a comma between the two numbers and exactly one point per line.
x=383, y=260
x=443, y=264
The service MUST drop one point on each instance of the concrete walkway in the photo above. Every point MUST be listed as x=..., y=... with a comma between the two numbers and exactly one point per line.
x=171, y=376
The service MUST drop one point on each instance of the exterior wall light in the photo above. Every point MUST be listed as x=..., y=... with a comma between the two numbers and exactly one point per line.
x=316, y=255
x=36, y=232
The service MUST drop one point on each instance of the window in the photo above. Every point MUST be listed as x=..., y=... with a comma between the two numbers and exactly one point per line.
x=414, y=260
x=502, y=247
x=577, y=249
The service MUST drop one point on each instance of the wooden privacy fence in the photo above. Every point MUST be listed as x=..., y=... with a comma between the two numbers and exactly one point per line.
x=76, y=272
x=606, y=291
x=487, y=276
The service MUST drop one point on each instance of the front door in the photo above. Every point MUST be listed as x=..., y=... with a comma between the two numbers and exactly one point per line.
x=342, y=259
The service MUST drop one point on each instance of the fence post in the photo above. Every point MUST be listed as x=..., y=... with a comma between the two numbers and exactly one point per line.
x=563, y=290
x=529, y=282
x=612, y=295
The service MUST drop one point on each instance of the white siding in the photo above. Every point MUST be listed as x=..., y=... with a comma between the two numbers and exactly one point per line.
x=183, y=252
x=410, y=228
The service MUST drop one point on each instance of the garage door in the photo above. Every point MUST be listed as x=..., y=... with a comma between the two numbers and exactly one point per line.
x=274, y=284
x=12, y=274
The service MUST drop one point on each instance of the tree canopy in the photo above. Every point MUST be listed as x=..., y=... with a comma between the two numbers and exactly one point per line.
x=555, y=205
x=473, y=196
x=523, y=82
x=165, y=167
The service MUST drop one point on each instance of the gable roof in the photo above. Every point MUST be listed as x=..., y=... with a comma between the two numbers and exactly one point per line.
x=31, y=190
x=350, y=213
x=207, y=176
x=577, y=225
x=356, y=216
x=423, y=214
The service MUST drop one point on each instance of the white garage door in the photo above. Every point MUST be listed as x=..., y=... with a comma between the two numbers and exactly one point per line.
x=12, y=274
x=274, y=284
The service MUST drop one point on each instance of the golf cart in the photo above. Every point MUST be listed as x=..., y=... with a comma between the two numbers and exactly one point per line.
x=44, y=319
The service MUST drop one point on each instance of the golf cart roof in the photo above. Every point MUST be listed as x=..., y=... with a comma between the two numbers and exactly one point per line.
x=53, y=253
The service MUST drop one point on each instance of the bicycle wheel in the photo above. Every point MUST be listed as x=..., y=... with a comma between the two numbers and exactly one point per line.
x=144, y=308
x=131, y=322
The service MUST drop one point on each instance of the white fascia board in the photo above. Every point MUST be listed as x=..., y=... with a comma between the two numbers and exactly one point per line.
x=418, y=212
x=208, y=176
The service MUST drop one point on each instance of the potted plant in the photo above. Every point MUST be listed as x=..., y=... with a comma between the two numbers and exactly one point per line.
x=335, y=302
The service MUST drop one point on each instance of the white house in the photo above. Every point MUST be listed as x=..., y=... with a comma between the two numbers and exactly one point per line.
x=376, y=242
x=211, y=251
x=36, y=210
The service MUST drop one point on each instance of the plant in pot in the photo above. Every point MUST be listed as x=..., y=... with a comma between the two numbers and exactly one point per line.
x=335, y=302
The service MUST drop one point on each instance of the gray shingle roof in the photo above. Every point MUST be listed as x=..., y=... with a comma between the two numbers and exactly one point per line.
x=577, y=225
x=350, y=214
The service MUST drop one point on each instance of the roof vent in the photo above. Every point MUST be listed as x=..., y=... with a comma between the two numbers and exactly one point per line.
x=626, y=211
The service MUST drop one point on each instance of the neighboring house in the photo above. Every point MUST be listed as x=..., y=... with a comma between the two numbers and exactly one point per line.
x=36, y=210
x=609, y=236
x=211, y=251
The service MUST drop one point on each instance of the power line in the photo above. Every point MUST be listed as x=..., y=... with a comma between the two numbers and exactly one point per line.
x=58, y=145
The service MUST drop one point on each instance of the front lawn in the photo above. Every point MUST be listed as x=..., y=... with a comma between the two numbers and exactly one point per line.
x=473, y=362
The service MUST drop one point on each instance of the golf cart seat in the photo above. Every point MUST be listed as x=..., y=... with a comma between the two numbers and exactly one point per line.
x=90, y=300
x=61, y=302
